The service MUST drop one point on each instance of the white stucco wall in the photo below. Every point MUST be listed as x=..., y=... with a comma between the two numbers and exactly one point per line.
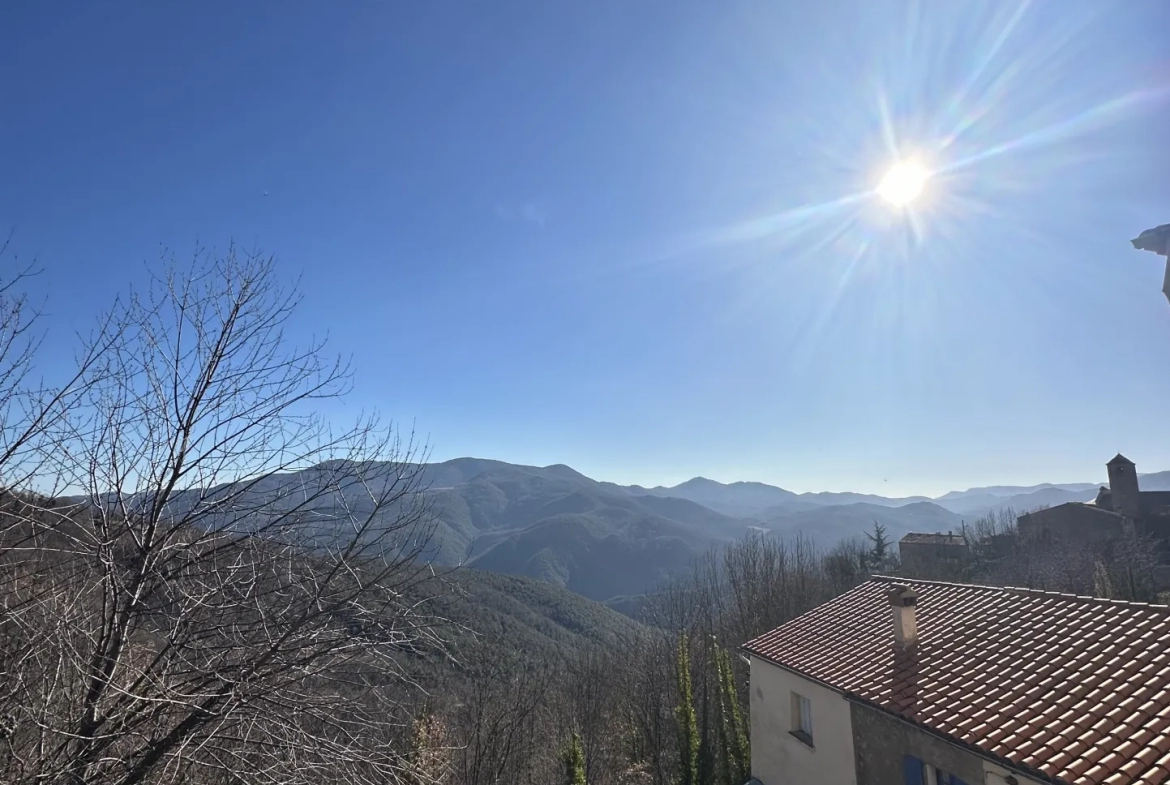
x=778, y=758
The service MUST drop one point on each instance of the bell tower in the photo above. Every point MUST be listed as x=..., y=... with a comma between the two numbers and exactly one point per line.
x=1123, y=487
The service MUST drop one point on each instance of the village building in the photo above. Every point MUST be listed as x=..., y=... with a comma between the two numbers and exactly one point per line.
x=921, y=553
x=929, y=683
x=1119, y=508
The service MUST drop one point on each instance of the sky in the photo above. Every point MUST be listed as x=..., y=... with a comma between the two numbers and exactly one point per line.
x=642, y=238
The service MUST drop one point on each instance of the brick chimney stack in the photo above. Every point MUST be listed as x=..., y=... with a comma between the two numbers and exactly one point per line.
x=904, y=602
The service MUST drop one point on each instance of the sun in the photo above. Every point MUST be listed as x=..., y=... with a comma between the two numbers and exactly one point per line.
x=903, y=183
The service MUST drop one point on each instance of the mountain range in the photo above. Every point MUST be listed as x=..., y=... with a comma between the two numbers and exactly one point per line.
x=759, y=499
x=614, y=543
x=611, y=542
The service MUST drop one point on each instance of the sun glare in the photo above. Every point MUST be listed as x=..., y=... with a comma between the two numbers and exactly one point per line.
x=903, y=183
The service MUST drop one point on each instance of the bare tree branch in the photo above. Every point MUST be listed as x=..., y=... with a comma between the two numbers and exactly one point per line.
x=240, y=587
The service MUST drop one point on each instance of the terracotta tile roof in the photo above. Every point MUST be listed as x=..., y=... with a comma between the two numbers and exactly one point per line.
x=1074, y=688
x=934, y=538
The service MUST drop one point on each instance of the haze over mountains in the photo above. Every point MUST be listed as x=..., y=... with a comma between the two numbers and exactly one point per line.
x=753, y=498
x=614, y=543
x=611, y=543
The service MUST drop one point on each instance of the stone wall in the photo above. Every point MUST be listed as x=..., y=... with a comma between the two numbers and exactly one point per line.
x=924, y=559
x=881, y=742
x=1155, y=501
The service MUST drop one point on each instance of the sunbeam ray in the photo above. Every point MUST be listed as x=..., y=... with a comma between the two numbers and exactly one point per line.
x=1087, y=120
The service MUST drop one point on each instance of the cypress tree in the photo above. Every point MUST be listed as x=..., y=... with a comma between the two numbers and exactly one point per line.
x=688, y=726
x=573, y=759
x=726, y=754
x=736, y=746
x=708, y=735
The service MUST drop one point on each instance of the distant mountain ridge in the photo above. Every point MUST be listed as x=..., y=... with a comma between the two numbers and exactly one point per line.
x=737, y=498
x=614, y=543
x=558, y=525
x=756, y=498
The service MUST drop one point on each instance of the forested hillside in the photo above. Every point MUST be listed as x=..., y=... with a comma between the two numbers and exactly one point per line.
x=228, y=583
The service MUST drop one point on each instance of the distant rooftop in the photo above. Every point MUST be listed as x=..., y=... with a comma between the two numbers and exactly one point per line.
x=934, y=538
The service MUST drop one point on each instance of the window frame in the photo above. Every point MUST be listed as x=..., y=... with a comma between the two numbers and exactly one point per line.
x=802, y=719
x=919, y=772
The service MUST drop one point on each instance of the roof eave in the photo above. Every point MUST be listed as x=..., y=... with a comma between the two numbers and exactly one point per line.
x=776, y=663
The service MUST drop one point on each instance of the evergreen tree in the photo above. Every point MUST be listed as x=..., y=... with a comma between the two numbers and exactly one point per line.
x=708, y=736
x=726, y=752
x=736, y=749
x=573, y=759
x=879, y=554
x=688, y=726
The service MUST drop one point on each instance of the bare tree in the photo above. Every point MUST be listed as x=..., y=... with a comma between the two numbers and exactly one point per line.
x=30, y=407
x=238, y=591
x=500, y=722
x=594, y=708
x=648, y=684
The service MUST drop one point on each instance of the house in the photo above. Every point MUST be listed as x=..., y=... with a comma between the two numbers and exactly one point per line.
x=1117, y=508
x=921, y=552
x=924, y=682
x=1081, y=523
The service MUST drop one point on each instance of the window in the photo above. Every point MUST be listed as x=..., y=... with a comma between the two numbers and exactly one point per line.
x=935, y=776
x=802, y=725
x=918, y=772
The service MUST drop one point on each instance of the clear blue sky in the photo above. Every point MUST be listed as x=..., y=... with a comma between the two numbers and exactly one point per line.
x=639, y=237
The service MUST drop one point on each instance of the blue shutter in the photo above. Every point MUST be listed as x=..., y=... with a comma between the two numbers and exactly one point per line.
x=913, y=770
x=956, y=781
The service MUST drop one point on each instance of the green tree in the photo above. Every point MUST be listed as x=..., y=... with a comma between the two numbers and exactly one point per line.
x=878, y=559
x=573, y=759
x=688, y=726
x=733, y=733
x=733, y=736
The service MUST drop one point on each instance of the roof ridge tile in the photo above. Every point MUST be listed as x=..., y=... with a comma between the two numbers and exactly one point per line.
x=1025, y=591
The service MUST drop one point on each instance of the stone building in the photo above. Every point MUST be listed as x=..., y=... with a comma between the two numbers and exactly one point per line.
x=1118, y=508
x=922, y=553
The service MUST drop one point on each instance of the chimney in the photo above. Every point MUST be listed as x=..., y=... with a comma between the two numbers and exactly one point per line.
x=904, y=601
